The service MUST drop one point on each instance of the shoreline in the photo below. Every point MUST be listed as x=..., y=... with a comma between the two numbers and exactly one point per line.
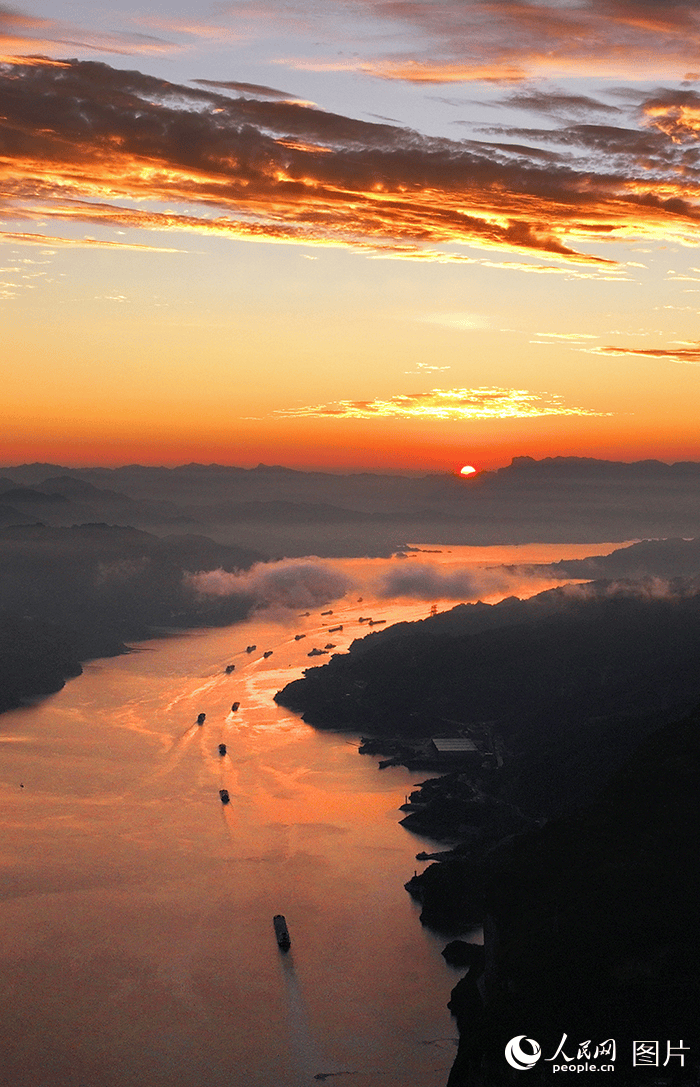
x=540, y=918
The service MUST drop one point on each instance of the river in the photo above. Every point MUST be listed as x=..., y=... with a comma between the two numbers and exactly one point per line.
x=136, y=909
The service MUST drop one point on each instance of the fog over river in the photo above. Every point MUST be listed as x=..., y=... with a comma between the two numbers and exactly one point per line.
x=136, y=910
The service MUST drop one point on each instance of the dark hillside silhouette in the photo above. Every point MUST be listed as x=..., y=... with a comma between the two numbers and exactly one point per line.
x=558, y=676
x=593, y=924
x=69, y=594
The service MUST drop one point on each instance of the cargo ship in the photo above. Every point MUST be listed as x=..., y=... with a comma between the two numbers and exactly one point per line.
x=281, y=931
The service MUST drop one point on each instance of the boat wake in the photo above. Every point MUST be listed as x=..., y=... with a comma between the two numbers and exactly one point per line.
x=303, y=1042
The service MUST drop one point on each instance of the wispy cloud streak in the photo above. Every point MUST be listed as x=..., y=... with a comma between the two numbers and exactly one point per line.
x=21, y=34
x=462, y=40
x=684, y=353
x=18, y=238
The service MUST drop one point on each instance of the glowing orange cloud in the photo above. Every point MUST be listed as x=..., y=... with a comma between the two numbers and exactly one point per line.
x=677, y=114
x=86, y=142
x=484, y=403
x=11, y=58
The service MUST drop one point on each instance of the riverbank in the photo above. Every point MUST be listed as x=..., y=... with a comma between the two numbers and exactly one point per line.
x=591, y=921
x=573, y=837
x=37, y=658
x=69, y=595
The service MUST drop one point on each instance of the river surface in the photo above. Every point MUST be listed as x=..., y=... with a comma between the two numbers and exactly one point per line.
x=137, y=946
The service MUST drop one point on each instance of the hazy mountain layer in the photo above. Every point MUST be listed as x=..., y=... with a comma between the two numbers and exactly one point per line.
x=287, y=512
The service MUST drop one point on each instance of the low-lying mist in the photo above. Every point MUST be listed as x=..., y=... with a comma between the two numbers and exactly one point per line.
x=290, y=583
x=427, y=582
x=306, y=583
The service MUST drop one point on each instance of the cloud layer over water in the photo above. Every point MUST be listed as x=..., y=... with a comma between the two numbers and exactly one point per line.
x=424, y=582
x=286, y=584
x=309, y=583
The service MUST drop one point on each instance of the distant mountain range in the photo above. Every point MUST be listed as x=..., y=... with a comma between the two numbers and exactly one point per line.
x=69, y=499
x=282, y=511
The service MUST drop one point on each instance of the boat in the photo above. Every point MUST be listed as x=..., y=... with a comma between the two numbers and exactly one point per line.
x=376, y=622
x=222, y=749
x=250, y=648
x=281, y=931
x=230, y=668
x=327, y=612
x=333, y=630
x=267, y=653
x=329, y=645
x=201, y=717
x=317, y=652
x=223, y=793
x=298, y=637
x=234, y=707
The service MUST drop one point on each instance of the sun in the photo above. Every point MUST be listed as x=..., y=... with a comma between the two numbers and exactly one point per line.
x=468, y=470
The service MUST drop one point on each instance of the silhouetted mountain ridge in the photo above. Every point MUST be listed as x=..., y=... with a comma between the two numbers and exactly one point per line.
x=32, y=496
x=557, y=676
x=593, y=468
x=648, y=558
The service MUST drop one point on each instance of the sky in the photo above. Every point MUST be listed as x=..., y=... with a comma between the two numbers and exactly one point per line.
x=400, y=235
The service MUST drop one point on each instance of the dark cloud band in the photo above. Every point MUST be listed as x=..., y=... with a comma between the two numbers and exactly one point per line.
x=85, y=141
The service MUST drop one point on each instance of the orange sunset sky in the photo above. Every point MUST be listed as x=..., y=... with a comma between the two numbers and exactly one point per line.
x=375, y=234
